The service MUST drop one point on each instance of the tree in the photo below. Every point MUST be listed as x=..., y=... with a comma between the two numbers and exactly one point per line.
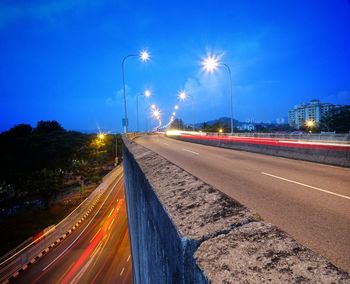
x=48, y=126
x=338, y=119
x=19, y=131
x=34, y=162
x=177, y=123
x=45, y=183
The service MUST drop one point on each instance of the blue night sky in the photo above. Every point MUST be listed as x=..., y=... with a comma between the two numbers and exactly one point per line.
x=61, y=60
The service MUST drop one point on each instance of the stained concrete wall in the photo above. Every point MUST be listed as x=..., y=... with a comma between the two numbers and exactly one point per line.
x=332, y=157
x=183, y=230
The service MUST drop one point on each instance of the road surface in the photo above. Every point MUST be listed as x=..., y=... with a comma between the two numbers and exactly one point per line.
x=310, y=201
x=98, y=252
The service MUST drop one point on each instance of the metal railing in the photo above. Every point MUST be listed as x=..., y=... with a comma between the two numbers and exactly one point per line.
x=336, y=138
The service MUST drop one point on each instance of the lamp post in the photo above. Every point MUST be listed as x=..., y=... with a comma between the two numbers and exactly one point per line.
x=310, y=124
x=156, y=114
x=210, y=64
x=183, y=95
x=144, y=56
x=147, y=94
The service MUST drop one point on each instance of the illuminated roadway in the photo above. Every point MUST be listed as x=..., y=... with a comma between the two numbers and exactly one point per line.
x=98, y=252
x=310, y=201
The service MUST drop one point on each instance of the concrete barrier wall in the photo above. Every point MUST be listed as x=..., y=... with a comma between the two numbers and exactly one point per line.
x=183, y=230
x=339, y=156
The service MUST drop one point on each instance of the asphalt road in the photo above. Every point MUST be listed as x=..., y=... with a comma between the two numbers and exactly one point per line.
x=98, y=252
x=310, y=201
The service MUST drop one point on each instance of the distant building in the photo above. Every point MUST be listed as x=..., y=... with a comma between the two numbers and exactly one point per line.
x=312, y=111
x=246, y=126
x=280, y=120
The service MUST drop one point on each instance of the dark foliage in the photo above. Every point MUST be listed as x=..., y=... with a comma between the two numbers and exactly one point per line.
x=34, y=161
x=337, y=120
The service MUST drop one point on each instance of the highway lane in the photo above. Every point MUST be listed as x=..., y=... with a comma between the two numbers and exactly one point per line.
x=98, y=252
x=310, y=201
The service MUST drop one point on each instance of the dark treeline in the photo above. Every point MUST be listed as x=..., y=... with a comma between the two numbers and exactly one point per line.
x=337, y=120
x=36, y=162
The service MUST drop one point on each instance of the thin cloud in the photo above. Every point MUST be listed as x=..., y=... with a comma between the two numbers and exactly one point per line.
x=342, y=97
x=118, y=98
x=42, y=10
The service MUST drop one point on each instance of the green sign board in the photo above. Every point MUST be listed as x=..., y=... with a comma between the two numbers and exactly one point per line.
x=125, y=122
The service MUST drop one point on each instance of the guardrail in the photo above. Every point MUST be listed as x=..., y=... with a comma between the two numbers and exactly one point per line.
x=304, y=136
x=329, y=137
x=334, y=152
x=20, y=259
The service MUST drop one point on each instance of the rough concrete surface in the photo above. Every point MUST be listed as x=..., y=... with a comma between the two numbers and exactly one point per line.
x=261, y=253
x=197, y=209
x=234, y=245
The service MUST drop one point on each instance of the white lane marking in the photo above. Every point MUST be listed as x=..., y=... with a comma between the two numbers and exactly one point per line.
x=110, y=225
x=128, y=258
x=165, y=143
x=82, y=232
x=121, y=273
x=309, y=186
x=110, y=213
x=190, y=151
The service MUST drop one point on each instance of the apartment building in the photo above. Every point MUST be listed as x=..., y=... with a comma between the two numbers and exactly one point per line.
x=312, y=111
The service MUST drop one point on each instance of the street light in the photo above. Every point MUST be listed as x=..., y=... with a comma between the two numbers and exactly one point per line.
x=144, y=56
x=101, y=136
x=310, y=124
x=176, y=107
x=147, y=94
x=183, y=96
x=156, y=113
x=212, y=63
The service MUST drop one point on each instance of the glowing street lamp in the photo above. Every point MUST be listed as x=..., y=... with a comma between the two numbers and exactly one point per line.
x=176, y=107
x=310, y=124
x=147, y=93
x=156, y=113
x=101, y=136
x=182, y=95
x=220, y=130
x=212, y=63
x=144, y=56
